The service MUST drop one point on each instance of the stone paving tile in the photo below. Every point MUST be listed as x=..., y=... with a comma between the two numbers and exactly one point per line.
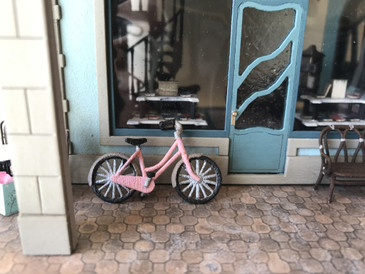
x=245, y=229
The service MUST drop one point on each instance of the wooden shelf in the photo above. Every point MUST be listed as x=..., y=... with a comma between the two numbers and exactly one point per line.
x=315, y=102
x=316, y=123
x=328, y=100
x=189, y=99
x=145, y=121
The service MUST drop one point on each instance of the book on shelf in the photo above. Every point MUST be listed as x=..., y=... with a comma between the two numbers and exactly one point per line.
x=325, y=91
x=339, y=89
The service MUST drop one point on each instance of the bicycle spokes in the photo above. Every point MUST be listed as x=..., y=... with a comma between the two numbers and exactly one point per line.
x=198, y=191
x=101, y=183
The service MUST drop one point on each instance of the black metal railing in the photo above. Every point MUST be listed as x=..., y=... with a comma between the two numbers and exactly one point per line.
x=156, y=45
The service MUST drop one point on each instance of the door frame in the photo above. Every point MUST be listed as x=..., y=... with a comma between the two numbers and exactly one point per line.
x=234, y=57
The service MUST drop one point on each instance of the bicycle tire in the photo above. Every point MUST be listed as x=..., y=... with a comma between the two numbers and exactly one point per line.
x=193, y=191
x=99, y=178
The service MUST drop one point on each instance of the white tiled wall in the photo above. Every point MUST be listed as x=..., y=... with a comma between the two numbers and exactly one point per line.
x=35, y=154
x=7, y=21
x=27, y=192
x=51, y=191
x=30, y=24
x=28, y=67
x=30, y=100
x=15, y=103
x=42, y=119
x=44, y=228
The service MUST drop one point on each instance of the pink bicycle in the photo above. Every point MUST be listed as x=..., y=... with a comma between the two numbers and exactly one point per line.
x=114, y=176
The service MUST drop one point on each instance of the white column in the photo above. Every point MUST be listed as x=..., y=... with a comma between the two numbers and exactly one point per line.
x=31, y=100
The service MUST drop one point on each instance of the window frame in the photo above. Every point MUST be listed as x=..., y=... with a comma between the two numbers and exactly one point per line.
x=112, y=136
x=107, y=128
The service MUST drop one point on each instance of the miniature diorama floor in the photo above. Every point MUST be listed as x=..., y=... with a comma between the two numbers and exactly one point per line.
x=244, y=229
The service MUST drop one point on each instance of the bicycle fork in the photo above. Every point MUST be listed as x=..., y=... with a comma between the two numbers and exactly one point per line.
x=186, y=161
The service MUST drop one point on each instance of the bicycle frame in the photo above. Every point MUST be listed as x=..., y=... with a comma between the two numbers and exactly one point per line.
x=196, y=178
x=136, y=182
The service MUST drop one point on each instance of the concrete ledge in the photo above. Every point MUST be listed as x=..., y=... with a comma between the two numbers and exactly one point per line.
x=302, y=170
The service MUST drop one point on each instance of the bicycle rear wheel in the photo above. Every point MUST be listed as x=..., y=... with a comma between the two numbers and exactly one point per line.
x=100, y=173
x=198, y=192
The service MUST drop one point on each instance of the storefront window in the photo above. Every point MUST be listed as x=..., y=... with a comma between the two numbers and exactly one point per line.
x=169, y=59
x=332, y=78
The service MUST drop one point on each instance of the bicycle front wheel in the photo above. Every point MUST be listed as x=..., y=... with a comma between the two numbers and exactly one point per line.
x=202, y=191
x=99, y=178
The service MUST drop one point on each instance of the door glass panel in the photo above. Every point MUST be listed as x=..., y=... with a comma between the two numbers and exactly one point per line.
x=265, y=111
x=262, y=33
x=264, y=75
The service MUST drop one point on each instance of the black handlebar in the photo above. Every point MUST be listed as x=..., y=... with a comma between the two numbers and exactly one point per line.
x=167, y=124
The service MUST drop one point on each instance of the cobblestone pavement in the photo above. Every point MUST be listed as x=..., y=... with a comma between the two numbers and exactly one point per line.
x=245, y=229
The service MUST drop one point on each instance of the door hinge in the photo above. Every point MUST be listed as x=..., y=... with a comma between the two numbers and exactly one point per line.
x=61, y=60
x=57, y=14
x=65, y=105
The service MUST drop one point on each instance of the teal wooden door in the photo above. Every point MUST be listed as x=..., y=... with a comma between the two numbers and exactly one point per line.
x=265, y=54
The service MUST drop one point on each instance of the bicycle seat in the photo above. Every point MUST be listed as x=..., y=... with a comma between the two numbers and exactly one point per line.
x=136, y=141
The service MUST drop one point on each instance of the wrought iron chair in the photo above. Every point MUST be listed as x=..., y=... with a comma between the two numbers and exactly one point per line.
x=340, y=167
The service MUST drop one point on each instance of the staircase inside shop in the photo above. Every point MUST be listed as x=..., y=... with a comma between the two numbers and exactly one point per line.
x=162, y=47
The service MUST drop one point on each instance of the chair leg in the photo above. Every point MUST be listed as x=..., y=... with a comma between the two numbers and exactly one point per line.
x=319, y=180
x=332, y=187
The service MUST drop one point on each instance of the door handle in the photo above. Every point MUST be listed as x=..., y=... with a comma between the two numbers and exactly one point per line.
x=233, y=118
